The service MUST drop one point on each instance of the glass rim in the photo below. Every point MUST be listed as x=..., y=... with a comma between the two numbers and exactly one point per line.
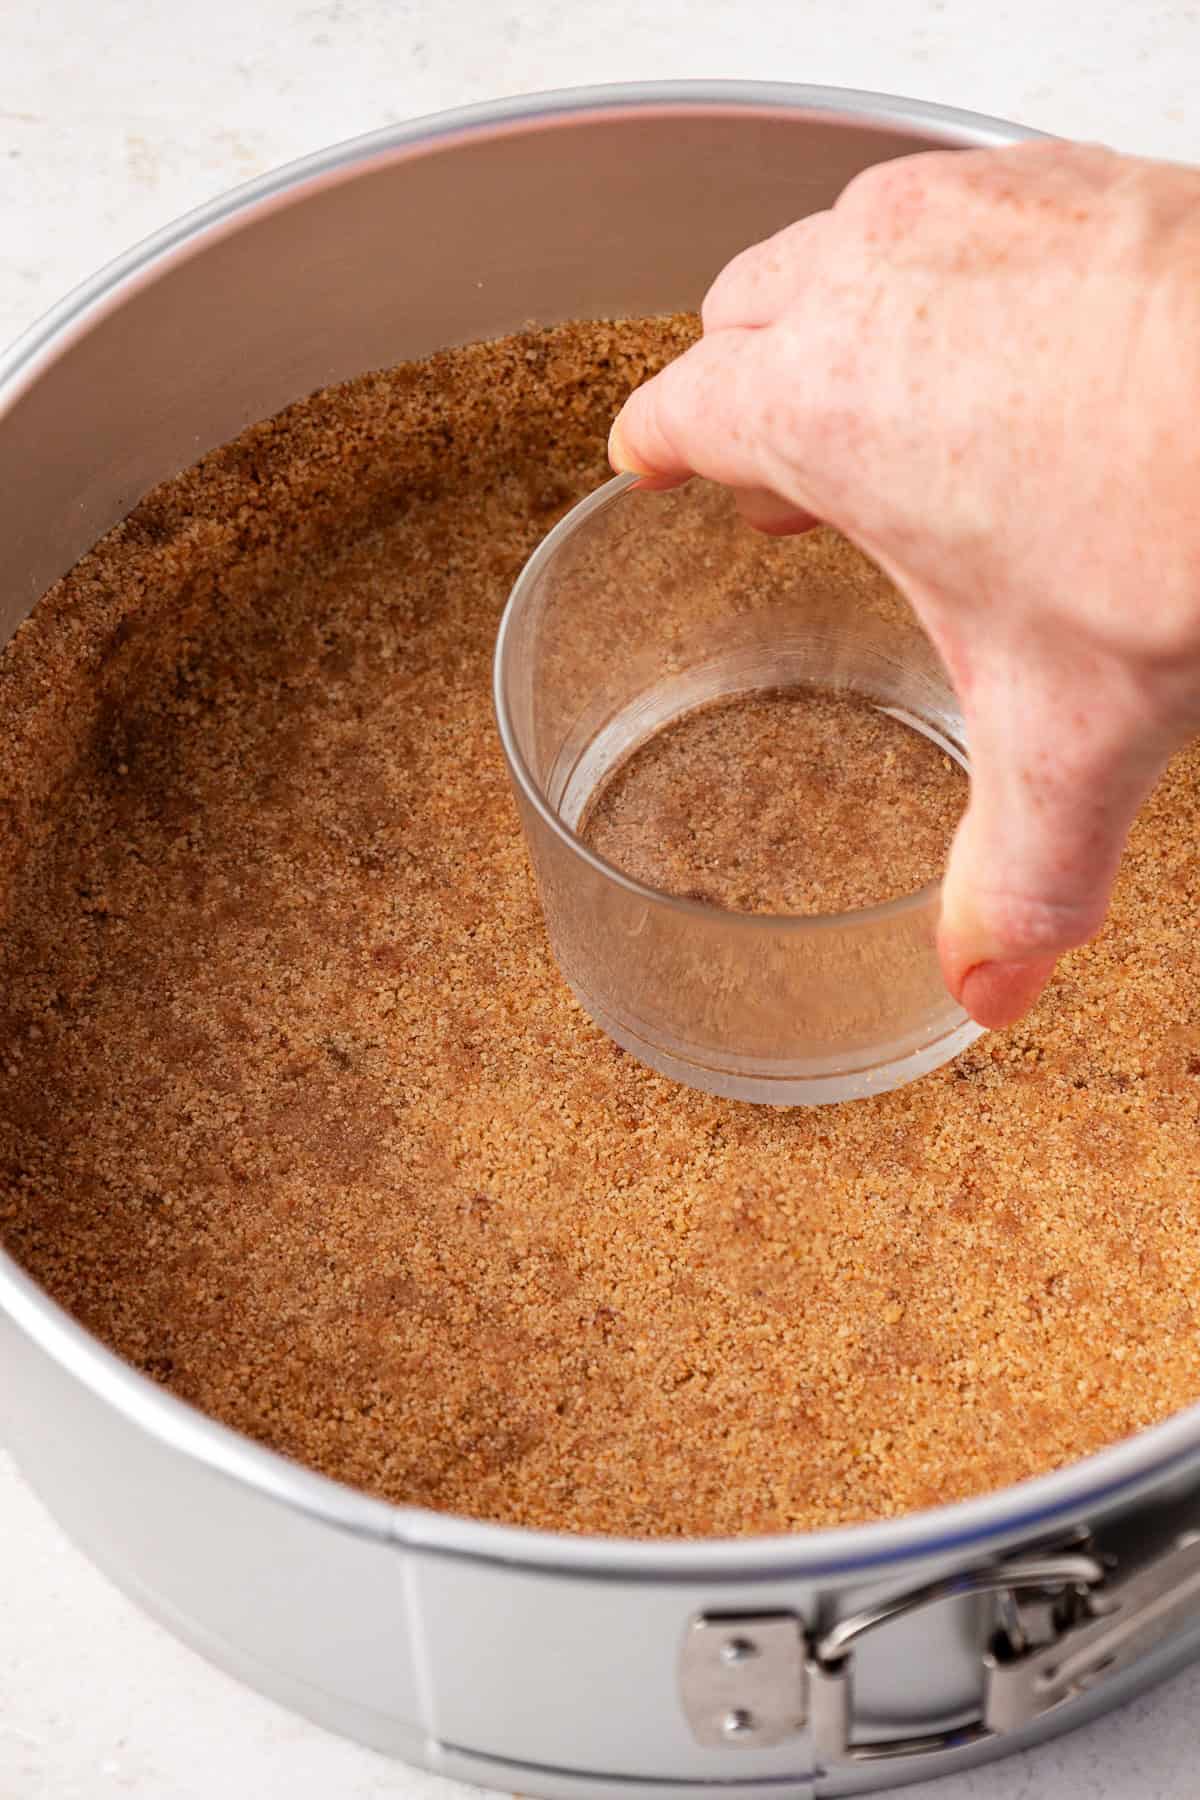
x=792, y=923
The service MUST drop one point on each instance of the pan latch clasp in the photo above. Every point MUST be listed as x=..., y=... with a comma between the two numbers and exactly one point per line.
x=1063, y=1622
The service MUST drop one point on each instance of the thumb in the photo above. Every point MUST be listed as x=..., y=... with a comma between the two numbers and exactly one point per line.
x=707, y=414
x=1056, y=779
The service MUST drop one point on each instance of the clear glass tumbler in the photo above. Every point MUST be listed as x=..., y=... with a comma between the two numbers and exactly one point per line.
x=637, y=609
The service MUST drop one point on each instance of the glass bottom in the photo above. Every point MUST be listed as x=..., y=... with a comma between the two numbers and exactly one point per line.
x=781, y=1085
x=736, y=997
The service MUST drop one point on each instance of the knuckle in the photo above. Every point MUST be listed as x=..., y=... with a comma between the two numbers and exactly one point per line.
x=864, y=194
x=745, y=287
x=1041, y=180
x=726, y=276
x=1025, y=925
x=893, y=190
x=720, y=304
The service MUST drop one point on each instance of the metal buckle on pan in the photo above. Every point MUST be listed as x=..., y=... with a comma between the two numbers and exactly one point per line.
x=1068, y=1577
x=1124, y=1616
x=1065, y=1621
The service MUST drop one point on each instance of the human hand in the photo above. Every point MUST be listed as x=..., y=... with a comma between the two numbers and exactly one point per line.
x=984, y=368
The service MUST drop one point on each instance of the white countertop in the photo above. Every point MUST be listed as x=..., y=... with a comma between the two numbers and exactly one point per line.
x=116, y=116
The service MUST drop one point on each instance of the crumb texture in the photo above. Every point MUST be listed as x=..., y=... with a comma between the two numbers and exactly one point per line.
x=793, y=801
x=297, y=1115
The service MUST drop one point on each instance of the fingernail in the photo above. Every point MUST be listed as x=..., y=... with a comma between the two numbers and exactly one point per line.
x=999, y=993
x=624, y=464
x=618, y=455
